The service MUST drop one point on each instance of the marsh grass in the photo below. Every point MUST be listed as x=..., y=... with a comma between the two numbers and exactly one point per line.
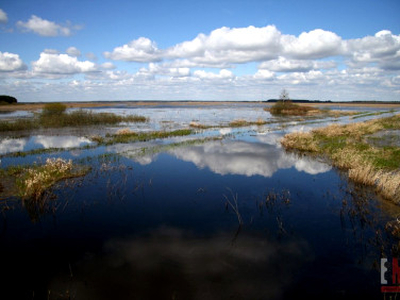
x=85, y=118
x=243, y=123
x=32, y=182
x=54, y=116
x=128, y=136
x=19, y=125
x=347, y=147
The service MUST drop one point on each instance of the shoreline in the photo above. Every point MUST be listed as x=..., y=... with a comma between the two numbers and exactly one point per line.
x=27, y=106
x=347, y=147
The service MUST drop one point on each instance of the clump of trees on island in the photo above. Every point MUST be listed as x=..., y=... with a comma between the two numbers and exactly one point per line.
x=4, y=99
x=284, y=106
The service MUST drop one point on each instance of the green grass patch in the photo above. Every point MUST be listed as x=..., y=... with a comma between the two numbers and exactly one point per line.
x=387, y=158
x=127, y=136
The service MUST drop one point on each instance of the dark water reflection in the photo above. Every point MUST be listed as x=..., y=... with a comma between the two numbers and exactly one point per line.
x=168, y=263
x=157, y=226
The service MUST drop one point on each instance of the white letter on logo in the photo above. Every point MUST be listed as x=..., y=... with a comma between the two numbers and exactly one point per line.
x=383, y=270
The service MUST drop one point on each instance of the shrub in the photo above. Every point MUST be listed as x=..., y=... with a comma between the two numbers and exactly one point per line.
x=33, y=182
x=53, y=109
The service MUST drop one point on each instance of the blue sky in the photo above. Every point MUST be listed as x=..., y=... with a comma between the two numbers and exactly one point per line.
x=199, y=50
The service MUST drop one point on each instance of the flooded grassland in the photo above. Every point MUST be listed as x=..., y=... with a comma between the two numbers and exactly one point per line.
x=191, y=202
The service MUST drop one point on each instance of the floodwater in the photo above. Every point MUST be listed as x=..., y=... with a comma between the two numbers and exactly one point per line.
x=224, y=213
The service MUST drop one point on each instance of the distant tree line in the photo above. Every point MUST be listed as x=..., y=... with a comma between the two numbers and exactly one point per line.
x=298, y=100
x=335, y=102
x=8, y=99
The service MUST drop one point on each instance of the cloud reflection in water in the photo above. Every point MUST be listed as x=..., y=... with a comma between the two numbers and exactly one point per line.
x=12, y=145
x=246, y=158
x=60, y=141
x=9, y=145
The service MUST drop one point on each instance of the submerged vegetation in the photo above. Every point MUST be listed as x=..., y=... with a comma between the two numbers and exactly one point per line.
x=348, y=148
x=128, y=136
x=54, y=115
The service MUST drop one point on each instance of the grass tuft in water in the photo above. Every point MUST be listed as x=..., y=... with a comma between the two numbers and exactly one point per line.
x=33, y=181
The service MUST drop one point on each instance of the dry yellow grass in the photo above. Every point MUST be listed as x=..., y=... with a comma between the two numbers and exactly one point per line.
x=346, y=148
x=388, y=185
x=197, y=125
x=124, y=131
x=302, y=141
x=36, y=180
x=347, y=158
x=355, y=129
x=365, y=174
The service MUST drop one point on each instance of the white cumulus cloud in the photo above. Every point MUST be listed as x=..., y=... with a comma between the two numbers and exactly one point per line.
x=225, y=46
x=140, y=50
x=61, y=64
x=164, y=69
x=46, y=28
x=223, y=74
x=3, y=16
x=264, y=75
x=317, y=43
x=73, y=51
x=10, y=62
x=230, y=45
x=311, y=77
x=283, y=64
x=108, y=66
x=382, y=48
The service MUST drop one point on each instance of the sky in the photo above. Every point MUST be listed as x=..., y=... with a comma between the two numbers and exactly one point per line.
x=90, y=50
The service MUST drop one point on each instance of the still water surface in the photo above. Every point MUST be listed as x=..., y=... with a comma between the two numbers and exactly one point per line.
x=156, y=221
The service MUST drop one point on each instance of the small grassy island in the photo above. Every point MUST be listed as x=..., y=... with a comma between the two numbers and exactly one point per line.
x=287, y=108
